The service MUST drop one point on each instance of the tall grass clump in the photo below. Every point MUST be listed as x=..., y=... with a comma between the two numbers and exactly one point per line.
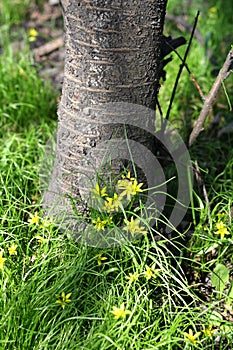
x=154, y=292
x=13, y=12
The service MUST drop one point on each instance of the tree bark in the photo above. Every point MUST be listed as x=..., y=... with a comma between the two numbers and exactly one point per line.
x=112, y=55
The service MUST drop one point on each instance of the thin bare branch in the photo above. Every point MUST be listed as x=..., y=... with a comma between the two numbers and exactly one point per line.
x=190, y=73
x=210, y=99
x=182, y=66
x=197, y=86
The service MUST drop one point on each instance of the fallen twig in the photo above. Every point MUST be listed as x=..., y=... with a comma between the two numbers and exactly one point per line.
x=210, y=99
x=48, y=47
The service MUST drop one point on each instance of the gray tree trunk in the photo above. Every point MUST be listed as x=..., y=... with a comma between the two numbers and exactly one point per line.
x=112, y=55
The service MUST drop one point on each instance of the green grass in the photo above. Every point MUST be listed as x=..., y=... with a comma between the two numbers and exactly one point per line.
x=13, y=12
x=49, y=263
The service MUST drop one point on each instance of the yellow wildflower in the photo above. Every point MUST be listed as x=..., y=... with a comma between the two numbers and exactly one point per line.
x=12, y=249
x=132, y=277
x=190, y=337
x=128, y=176
x=133, y=226
x=222, y=230
x=32, y=34
x=98, y=192
x=100, y=258
x=108, y=221
x=63, y=299
x=208, y=331
x=213, y=9
x=2, y=260
x=108, y=206
x=120, y=312
x=129, y=186
x=136, y=187
x=21, y=71
x=220, y=216
x=151, y=272
x=45, y=223
x=40, y=239
x=34, y=219
x=99, y=224
x=113, y=203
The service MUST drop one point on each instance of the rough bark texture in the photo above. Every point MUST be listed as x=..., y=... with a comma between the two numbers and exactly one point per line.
x=112, y=55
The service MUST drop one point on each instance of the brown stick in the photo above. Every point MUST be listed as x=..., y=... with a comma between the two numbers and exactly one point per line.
x=48, y=47
x=197, y=86
x=190, y=74
x=210, y=99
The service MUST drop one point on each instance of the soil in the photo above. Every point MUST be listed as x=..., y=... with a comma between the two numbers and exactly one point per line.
x=48, y=48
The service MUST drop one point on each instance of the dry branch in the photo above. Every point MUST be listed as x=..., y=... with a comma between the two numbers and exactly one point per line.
x=210, y=99
x=48, y=47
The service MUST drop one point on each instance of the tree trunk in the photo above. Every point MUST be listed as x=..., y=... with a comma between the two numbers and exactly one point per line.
x=112, y=56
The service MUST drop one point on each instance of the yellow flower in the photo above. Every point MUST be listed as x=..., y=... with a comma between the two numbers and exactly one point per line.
x=63, y=299
x=21, y=71
x=222, y=230
x=34, y=219
x=99, y=224
x=129, y=186
x=98, y=192
x=151, y=272
x=45, y=223
x=220, y=216
x=136, y=187
x=32, y=34
x=100, y=259
x=2, y=260
x=133, y=226
x=208, y=331
x=113, y=203
x=31, y=39
x=12, y=249
x=132, y=277
x=213, y=9
x=120, y=312
x=40, y=239
x=190, y=337
x=128, y=176
x=108, y=206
